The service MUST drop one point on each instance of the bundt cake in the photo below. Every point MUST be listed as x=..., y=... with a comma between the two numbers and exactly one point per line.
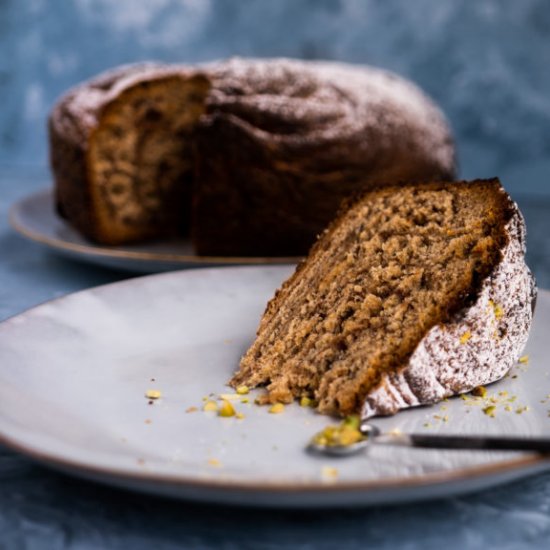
x=413, y=294
x=251, y=157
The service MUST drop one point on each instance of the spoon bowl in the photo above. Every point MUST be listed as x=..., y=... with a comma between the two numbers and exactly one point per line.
x=372, y=435
x=368, y=431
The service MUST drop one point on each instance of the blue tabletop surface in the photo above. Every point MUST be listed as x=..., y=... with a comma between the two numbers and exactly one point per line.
x=42, y=509
x=484, y=62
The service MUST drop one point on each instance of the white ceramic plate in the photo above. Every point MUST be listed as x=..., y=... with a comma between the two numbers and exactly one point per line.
x=74, y=372
x=34, y=217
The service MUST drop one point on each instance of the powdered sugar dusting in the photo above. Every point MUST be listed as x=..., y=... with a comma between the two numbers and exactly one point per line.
x=80, y=108
x=497, y=325
x=336, y=101
x=368, y=112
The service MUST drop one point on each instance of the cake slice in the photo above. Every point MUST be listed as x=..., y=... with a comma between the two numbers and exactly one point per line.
x=413, y=294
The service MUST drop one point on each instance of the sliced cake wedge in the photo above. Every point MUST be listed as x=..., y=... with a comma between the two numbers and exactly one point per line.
x=414, y=293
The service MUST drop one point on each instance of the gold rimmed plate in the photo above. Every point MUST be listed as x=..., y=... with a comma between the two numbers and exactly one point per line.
x=34, y=217
x=74, y=374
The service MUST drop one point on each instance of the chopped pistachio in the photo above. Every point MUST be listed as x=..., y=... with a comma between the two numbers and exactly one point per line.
x=499, y=312
x=245, y=400
x=210, y=406
x=226, y=409
x=353, y=421
x=229, y=396
x=242, y=390
x=523, y=359
x=277, y=408
x=328, y=472
x=490, y=411
x=239, y=415
x=345, y=433
x=349, y=435
x=153, y=394
x=465, y=337
x=305, y=401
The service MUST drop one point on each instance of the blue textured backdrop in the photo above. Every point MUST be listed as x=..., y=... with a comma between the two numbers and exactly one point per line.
x=486, y=62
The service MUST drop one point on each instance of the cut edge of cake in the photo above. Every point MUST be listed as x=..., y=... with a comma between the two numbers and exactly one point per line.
x=127, y=170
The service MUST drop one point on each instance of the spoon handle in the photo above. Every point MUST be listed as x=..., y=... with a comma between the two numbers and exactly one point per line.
x=541, y=445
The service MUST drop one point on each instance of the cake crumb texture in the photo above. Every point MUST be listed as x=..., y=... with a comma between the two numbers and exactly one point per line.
x=399, y=264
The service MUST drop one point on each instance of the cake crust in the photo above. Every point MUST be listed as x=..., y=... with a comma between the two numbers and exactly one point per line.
x=497, y=323
x=286, y=141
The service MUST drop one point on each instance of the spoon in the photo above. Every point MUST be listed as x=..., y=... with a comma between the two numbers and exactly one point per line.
x=372, y=435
